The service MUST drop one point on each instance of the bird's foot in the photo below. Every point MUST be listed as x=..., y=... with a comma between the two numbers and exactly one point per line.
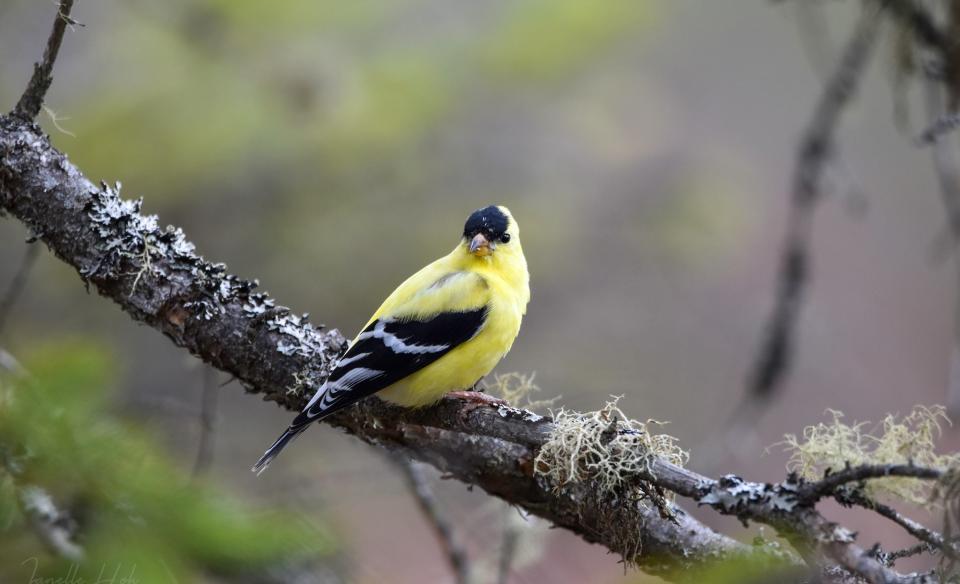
x=476, y=399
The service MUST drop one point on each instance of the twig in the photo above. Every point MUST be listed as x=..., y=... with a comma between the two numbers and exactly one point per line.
x=816, y=149
x=208, y=423
x=442, y=529
x=925, y=535
x=17, y=284
x=828, y=485
x=918, y=549
x=30, y=103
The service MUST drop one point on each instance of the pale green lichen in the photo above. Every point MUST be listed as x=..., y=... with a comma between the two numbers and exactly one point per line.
x=517, y=389
x=908, y=439
x=605, y=447
x=610, y=452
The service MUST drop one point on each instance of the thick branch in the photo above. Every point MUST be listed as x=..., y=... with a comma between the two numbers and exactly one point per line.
x=155, y=276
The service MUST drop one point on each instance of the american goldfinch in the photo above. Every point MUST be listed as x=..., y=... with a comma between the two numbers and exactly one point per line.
x=442, y=330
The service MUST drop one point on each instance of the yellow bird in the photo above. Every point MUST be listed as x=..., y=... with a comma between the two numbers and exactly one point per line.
x=442, y=330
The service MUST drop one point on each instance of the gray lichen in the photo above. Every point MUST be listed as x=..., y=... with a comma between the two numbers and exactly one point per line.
x=732, y=494
x=133, y=244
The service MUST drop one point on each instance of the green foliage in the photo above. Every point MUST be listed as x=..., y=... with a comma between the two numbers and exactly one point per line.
x=137, y=511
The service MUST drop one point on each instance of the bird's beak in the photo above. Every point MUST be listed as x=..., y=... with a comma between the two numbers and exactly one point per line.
x=481, y=246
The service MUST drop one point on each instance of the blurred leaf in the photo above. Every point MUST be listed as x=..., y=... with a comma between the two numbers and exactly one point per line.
x=137, y=511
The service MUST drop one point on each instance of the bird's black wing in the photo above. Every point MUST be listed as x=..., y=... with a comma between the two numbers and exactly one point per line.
x=388, y=350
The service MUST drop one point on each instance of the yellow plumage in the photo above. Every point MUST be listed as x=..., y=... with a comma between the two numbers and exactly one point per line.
x=441, y=330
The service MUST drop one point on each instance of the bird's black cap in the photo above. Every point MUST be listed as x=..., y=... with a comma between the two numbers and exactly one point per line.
x=490, y=221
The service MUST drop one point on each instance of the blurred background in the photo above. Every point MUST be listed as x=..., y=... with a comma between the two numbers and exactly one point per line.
x=329, y=149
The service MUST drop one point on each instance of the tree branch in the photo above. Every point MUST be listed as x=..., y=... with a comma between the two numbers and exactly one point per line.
x=829, y=485
x=933, y=539
x=32, y=99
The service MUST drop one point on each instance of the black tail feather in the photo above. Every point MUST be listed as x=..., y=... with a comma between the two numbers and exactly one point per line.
x=272, y=452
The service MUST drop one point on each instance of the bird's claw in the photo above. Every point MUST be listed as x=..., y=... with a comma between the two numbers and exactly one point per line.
x=476, y=399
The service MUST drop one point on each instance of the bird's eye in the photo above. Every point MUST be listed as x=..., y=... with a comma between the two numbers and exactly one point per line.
x=505, y=238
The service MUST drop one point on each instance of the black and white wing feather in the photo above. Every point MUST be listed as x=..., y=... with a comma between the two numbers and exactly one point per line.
x=388, y=350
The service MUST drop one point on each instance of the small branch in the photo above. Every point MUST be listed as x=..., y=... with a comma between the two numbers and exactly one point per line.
x=17, y=284
x=208, y=422
x=828, y=485
x=925, y=535
x=918, y=549
x=420, y=489
x=30, y=103
x=816, y=149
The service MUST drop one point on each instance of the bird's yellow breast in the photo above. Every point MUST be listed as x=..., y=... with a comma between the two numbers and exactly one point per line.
x=462, y=367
